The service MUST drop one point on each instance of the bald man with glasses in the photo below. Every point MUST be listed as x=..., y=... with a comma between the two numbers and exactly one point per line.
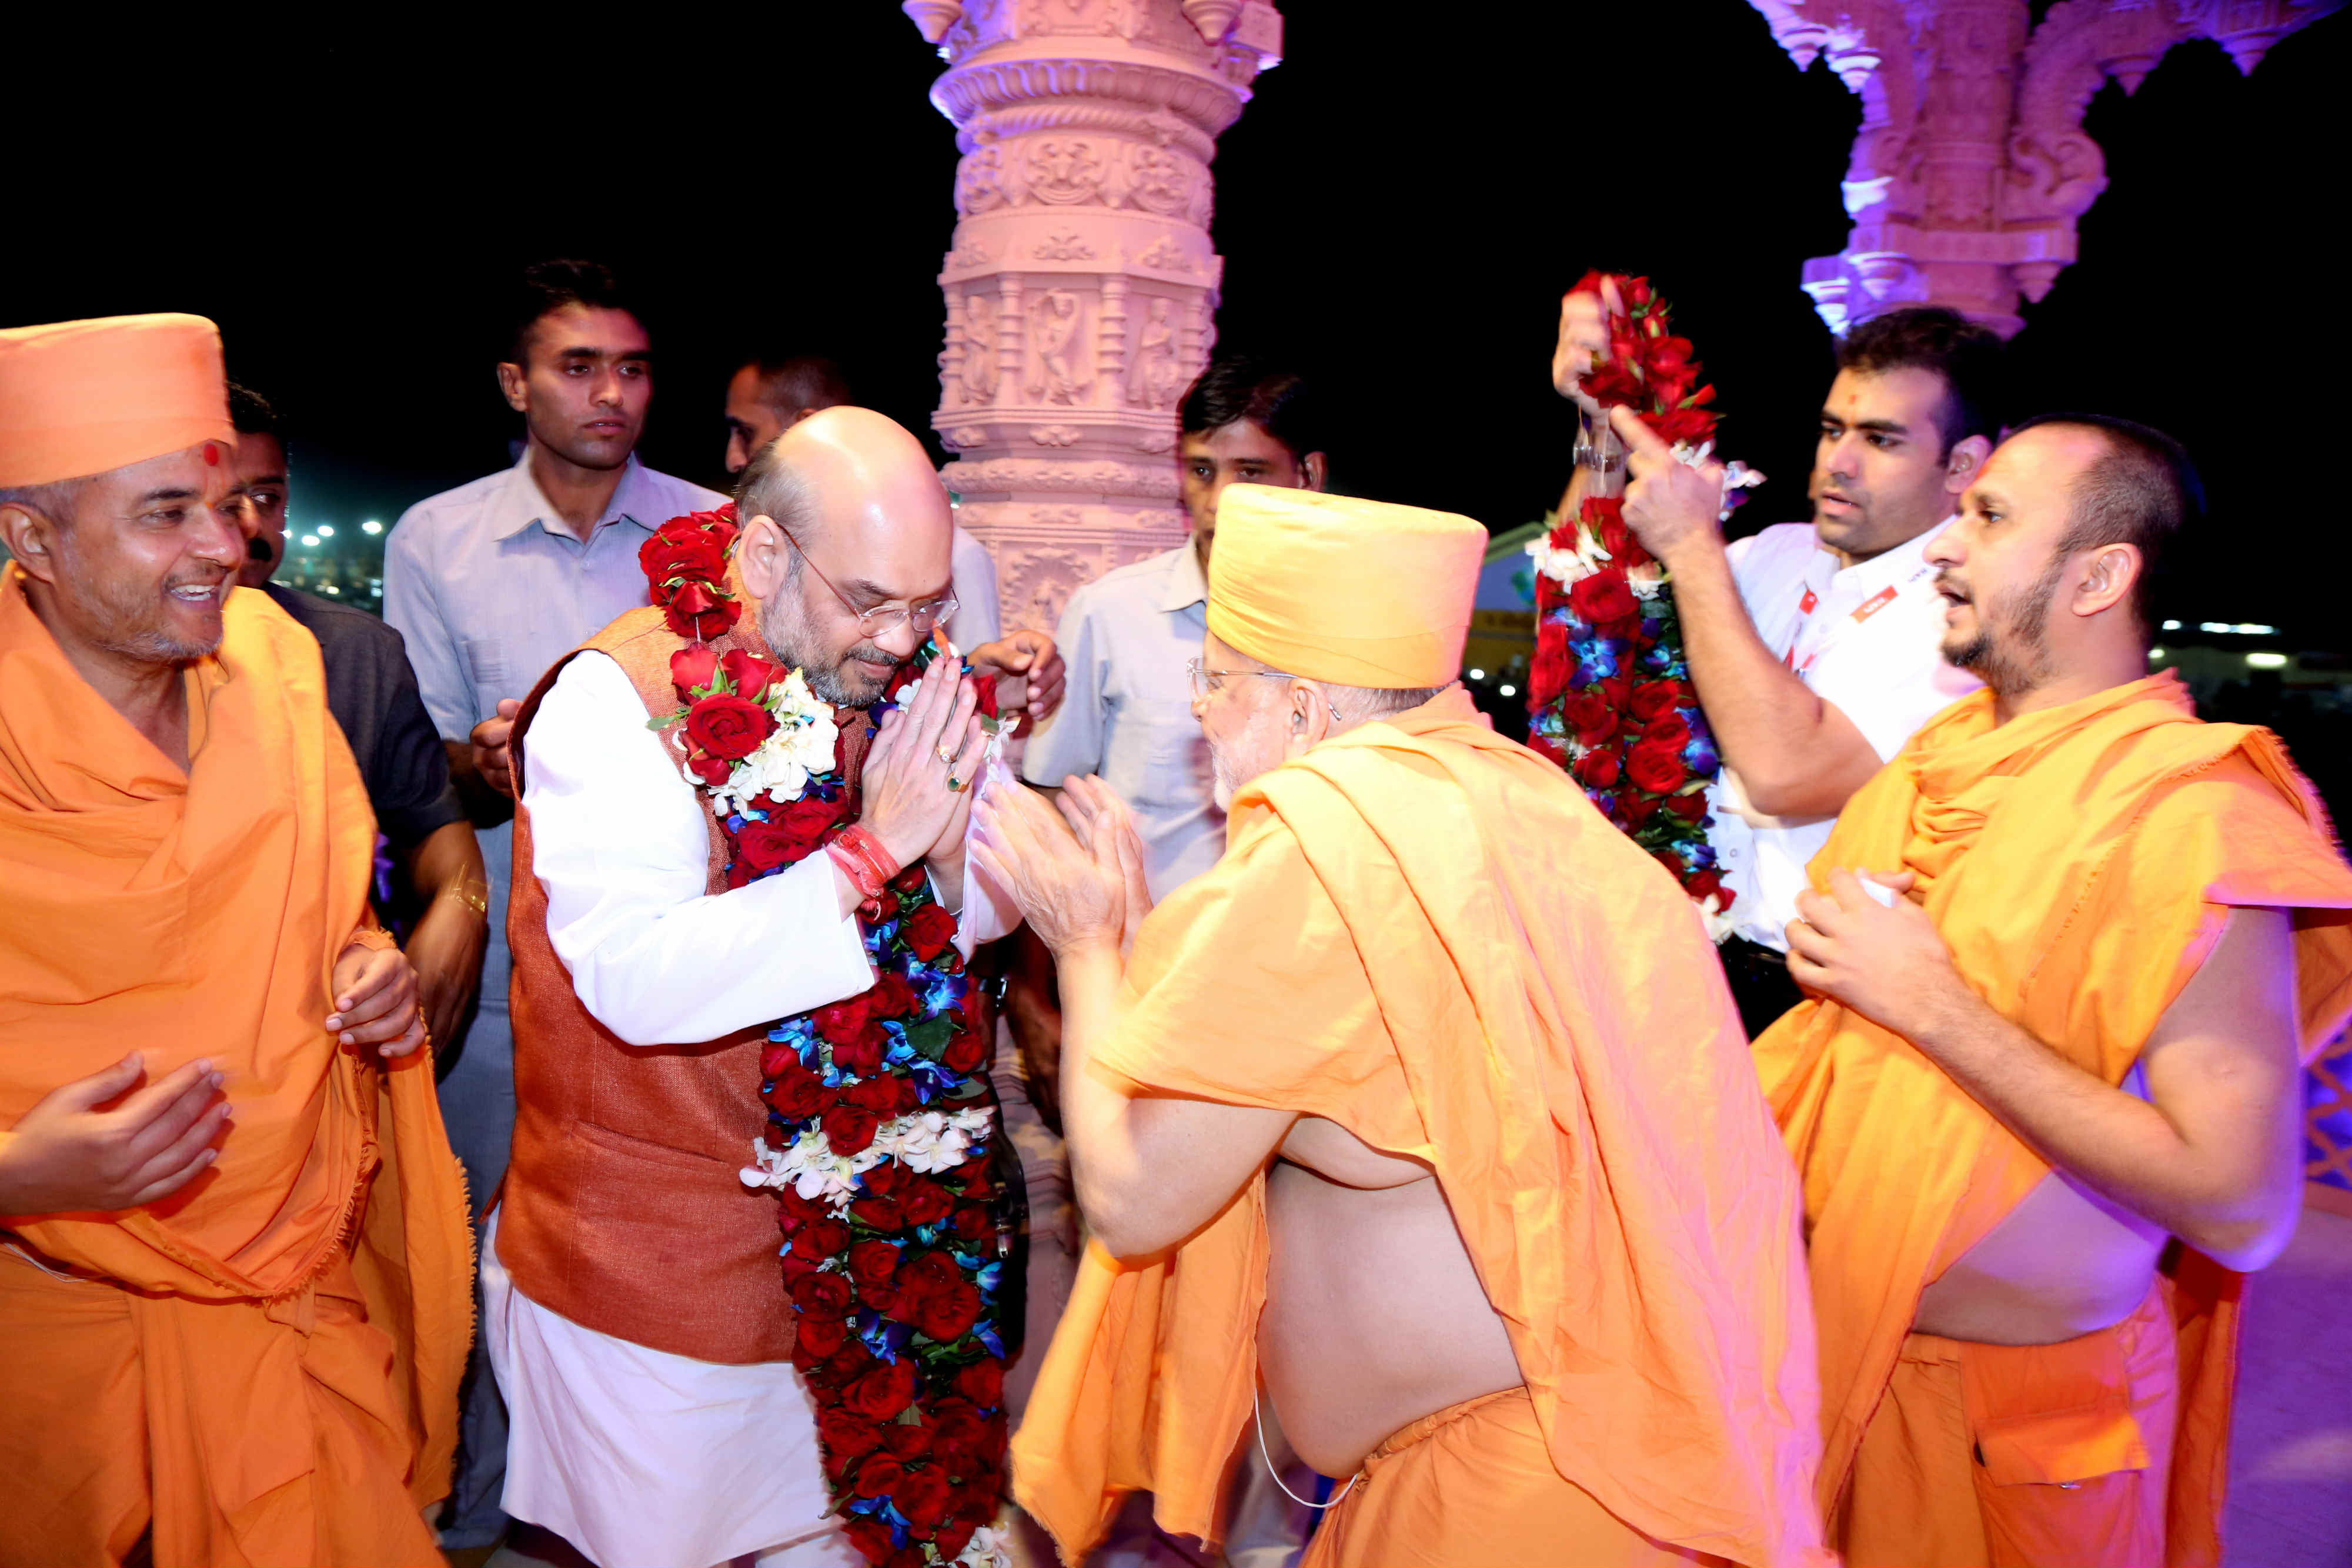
x=632, y=1307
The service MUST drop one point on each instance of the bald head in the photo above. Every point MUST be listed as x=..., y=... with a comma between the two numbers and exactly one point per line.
x=853, y=495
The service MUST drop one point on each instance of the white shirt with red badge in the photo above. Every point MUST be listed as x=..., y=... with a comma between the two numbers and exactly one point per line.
x=1868, y=638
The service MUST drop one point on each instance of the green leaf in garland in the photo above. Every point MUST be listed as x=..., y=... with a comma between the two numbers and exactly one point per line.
x=665, y=720
x=931, y=1037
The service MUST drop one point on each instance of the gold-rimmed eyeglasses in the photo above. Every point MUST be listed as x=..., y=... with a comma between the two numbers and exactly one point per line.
x=883, y=619
x=1206, y=680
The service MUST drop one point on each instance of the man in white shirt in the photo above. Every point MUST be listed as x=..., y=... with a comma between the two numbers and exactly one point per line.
x=490, y=584
x=1813, y=648
x=632, y=1305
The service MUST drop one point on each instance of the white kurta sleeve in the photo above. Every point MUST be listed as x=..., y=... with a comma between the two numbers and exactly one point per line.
x=619, y=846
x=989, y=911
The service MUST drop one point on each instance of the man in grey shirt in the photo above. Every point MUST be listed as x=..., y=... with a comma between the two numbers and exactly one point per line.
x=491, y=583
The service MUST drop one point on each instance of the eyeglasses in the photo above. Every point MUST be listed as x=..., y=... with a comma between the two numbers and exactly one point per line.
x=883, y=619
x=1205, y=680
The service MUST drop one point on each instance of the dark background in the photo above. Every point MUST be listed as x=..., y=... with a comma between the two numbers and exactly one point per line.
x=1399, y=208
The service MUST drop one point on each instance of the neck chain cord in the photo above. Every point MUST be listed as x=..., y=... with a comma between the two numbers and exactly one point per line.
x=1258, y=1417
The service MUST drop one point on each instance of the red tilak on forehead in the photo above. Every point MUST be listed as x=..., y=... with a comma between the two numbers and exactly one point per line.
x=212, y=454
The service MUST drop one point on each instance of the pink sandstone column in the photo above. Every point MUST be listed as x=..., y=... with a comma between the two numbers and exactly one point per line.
x=1082, y=285
x=1972, y=165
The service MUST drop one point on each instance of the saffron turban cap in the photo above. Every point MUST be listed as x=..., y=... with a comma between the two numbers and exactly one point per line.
x=86, y=397
x=1331, y=588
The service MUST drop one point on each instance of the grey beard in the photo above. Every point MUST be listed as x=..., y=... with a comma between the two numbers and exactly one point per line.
x=785, y=633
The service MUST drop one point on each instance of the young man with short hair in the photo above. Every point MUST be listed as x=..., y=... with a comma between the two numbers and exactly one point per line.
x=1813, y=647
x=491, y=583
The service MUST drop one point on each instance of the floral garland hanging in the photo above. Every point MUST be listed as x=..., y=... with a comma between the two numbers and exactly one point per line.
x=1609, y=696
x=879, y=1108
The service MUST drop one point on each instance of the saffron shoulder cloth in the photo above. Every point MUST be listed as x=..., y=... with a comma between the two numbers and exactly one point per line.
x=1424, y=932
x=200, y=914
x=2080, y=863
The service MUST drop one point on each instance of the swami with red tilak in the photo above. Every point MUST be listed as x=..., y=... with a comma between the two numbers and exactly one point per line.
x=232, y=1262
x=634, y=1311
x=1424, y=1114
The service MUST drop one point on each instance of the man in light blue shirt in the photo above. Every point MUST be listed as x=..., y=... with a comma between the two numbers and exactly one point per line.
x=490, y=584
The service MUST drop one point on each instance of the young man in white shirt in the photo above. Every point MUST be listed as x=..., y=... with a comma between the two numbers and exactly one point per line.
x=1813, y=647
x=491, y=583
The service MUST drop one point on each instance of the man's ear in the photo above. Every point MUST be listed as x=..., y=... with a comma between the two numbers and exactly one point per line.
x=515, y=382
x=1308, y=722
x=2107, y=578
x=1314, y=469
x=762, y=556
x=31, y=537
x=1960, y=467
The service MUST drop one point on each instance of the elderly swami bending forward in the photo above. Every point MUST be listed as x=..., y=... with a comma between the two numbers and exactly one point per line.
x=1426, y=1110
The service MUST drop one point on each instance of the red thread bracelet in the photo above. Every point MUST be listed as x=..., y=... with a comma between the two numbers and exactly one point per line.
x=865, y=861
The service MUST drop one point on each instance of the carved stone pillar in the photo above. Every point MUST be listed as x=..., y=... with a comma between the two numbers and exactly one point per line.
x=1972, y=165
x=1082, y=285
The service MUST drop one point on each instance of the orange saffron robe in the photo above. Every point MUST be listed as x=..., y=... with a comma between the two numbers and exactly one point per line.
x=264, y=1364
x=2081, y=864
x=1424, y=933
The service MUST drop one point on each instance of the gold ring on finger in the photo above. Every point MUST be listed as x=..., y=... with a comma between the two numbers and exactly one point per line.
x=955, y=785
x=946, y=753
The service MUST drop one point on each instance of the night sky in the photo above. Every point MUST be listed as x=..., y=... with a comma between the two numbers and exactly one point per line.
x=1399, y=209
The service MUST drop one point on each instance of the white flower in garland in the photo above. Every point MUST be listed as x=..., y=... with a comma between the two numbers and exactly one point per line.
x=1566, y=567
x=810, y=1168
x=802, y=744
x=988, y=1548
x=931, y=1141
x=928, y=1141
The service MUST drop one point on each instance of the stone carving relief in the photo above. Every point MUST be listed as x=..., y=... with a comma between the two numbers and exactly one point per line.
x=1971, y=166
x=1081, y=288
x=979, y=338
x=1064, y=244
x=1160, y=181
x=980, y=181
x=1064, y=170
x=1059, y=370
x=969, y=252
x=1112, y=18
x=1104, y=476
x=1164, y=255
x=1040, y=583
x=1152, y=371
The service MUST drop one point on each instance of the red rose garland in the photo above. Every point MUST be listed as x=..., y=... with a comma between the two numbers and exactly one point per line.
x=1609, y=696
x=879, y=1107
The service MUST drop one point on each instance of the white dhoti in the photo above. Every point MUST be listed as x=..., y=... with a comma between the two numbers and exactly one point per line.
x=646, y=1459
